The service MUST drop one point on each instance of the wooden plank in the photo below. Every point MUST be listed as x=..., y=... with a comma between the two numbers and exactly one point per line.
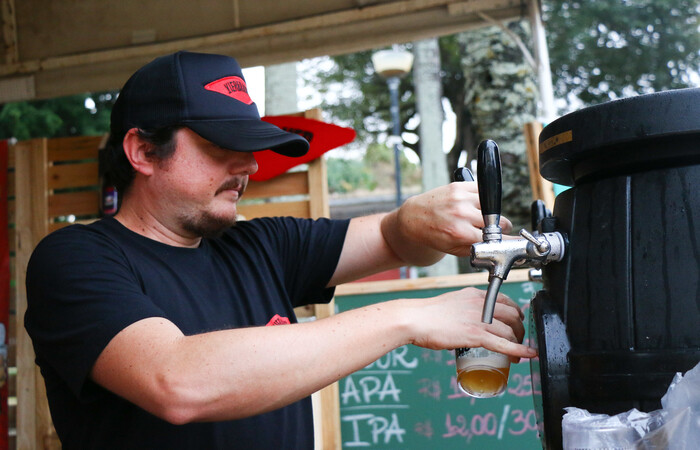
x=53, y=226
x=328, y=397
x=9, y=32
x=531, y=133
x=72, y=175
x=541, y=189
x=478, y=6
x=290, y=183
x=74, y=148
x=31, y=225
x=11, y=184
x=58, y=225
x=318, y=179
x=441, y=282
x=82, y=203
x=319, y=203
x=295, y=209
x=313, y=113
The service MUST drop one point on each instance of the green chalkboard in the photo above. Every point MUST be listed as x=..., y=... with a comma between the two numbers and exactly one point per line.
x=409, y=398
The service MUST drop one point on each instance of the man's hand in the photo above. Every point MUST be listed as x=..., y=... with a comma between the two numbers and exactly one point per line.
x=453, y=320
x=419, y=233
x=446, y=219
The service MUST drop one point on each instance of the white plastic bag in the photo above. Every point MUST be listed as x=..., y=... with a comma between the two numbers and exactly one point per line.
x=674, y=427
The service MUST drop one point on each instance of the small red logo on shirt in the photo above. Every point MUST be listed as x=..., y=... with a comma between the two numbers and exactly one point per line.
x=278, y=320
x=233, y=87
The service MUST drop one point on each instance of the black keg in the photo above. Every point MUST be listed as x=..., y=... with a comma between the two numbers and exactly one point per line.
x=620, y=314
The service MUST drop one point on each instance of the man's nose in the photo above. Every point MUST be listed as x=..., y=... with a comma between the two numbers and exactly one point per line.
x=248, y=165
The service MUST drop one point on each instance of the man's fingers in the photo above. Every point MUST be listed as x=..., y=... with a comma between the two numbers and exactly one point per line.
x=504, y=299
x=508, y=347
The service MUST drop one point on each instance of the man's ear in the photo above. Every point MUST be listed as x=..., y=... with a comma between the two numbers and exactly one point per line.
x=136, y=151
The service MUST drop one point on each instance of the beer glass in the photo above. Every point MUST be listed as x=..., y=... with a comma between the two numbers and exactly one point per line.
x=482, y=373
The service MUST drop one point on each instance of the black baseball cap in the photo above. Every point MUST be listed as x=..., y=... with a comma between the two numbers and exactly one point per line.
x=205, y=93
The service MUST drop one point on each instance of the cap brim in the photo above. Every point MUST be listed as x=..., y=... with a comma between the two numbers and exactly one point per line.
x=250, y=136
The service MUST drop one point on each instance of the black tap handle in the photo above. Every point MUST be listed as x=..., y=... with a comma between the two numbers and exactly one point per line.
x=538, y=211
x=488, y=171
x=463, y=174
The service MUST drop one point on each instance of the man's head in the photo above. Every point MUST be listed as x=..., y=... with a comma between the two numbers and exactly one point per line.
x=203, y=92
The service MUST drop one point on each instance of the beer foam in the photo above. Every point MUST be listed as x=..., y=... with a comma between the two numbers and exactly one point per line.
x=492, y=361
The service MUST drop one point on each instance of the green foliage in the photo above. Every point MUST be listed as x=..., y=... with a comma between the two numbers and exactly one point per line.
x=59, y=117
x=374, y=171
x=598, y=50
x=346, y=175
x=355, y=96
x=605, y=50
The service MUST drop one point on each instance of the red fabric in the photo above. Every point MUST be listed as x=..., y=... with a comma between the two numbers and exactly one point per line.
x=322, y=137
x=4, y=290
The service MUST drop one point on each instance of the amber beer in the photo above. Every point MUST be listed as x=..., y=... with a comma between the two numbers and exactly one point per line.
x=482, y=373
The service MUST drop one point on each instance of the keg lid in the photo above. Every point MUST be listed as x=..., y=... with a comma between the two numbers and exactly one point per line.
x=623, y=136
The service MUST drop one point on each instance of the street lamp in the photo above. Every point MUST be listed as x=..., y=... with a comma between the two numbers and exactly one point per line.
x=392, y=65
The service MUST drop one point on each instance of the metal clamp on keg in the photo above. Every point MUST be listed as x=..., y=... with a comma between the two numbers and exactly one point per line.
x=496, y=254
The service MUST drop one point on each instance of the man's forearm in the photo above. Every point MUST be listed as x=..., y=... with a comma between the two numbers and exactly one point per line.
x=406, y=247
x=237, y=373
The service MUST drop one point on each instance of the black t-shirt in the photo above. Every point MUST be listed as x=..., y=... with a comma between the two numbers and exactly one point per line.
x=87, y=283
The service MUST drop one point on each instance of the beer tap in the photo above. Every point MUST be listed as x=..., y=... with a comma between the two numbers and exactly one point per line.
x=496, y=254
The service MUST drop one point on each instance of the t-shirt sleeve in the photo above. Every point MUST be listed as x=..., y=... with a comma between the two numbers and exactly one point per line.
x=309, y=251
x=81, y=292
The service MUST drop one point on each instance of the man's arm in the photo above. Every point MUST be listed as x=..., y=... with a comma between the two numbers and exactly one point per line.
x=426, y=227
x=237, y=373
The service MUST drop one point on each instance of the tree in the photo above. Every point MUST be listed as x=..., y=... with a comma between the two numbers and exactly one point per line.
x=75, y=115
x=500, y=98
x=480, y=73
x=600, y=51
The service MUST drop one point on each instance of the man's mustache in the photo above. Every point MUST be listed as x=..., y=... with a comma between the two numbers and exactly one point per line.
x=235, y=184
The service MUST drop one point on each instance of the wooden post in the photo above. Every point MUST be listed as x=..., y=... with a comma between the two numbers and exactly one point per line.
x=541, y=189
x=34, y=427
x=544, y=73
x=327, y=407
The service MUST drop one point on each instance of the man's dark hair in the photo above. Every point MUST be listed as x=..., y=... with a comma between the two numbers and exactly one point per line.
x=115, y=166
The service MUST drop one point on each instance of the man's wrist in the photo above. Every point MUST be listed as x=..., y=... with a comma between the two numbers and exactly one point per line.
x=406, y=243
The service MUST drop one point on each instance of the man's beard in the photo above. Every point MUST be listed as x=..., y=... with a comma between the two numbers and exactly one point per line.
x=207, y=225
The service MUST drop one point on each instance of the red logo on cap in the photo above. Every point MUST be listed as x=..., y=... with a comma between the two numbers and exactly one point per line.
x=233, y=87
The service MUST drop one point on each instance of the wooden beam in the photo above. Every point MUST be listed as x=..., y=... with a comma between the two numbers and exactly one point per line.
x=329, y=21
x=34, y=428
x=479, y=6
x=9, y=31
x=329, y=397
x=410, y=284
x=325, y=21
x=541, y=189
x=290, y=183
x=276, y=49
x=544, y=73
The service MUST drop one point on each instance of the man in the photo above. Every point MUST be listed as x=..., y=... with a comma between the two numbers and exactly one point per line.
x=150, y=327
